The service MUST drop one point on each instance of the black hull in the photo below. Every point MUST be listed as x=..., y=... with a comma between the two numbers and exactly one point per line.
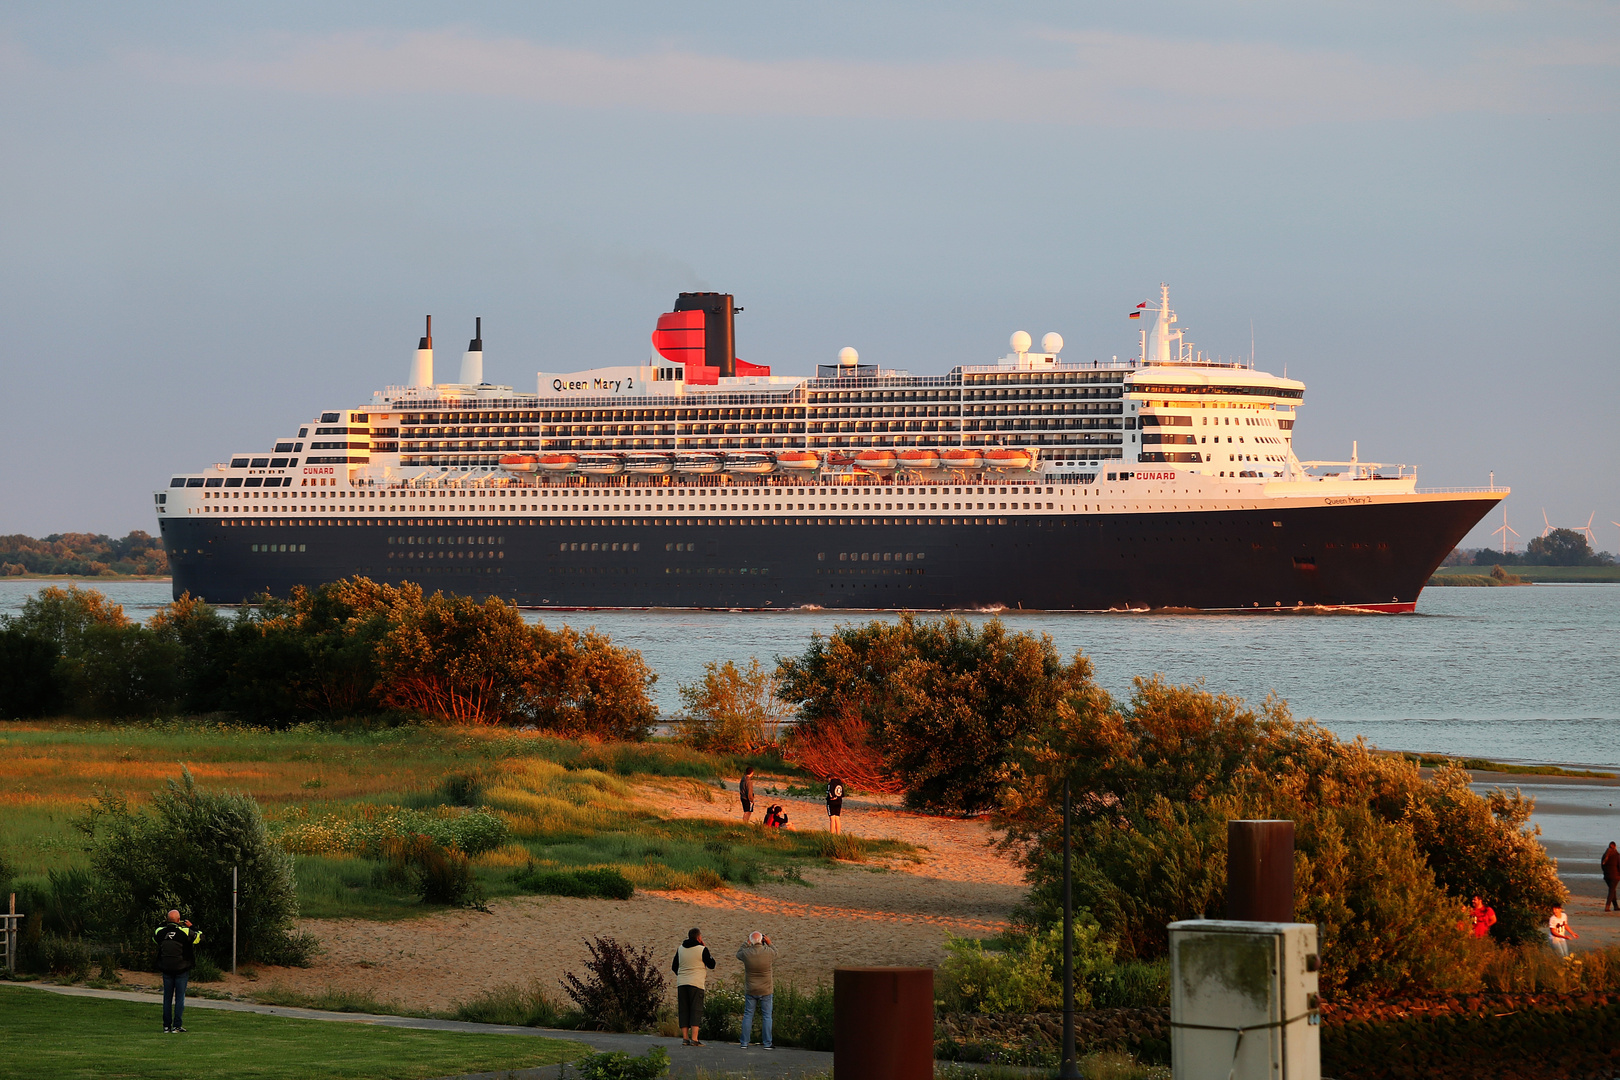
x=1371, y=556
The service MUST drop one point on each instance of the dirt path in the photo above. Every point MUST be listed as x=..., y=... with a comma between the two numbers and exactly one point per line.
x=897, y=912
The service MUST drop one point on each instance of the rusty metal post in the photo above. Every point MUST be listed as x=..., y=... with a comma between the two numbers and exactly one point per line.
x=1260, y=871
x=883, y=1023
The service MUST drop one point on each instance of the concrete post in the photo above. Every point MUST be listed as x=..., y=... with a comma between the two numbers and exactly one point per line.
x=1260, y=871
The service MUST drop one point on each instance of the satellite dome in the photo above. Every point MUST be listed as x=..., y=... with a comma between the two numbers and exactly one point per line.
x=848, y=356
x=1020, y=342
x=1052, y=343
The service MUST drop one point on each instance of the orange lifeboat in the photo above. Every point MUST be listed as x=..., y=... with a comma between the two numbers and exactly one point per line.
x=1009, y=460
x=798, y=461
x=558, y=463
x=875, y=460
x=961, y=459
x=918, y=459
x=520, y=463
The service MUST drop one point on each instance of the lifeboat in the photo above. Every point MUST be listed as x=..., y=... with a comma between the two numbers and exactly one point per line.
x=601, y=464
x=520, y=463
x=836, y=457
x=961, y=459
x=752, y=462
x=875, y=460
x=558, y=463
x=1009, y=460
x=648, y=464
x=798, y=460
x=697, y=463
x=918, y=459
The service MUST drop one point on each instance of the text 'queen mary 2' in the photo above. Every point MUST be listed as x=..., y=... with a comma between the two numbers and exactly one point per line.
x=696, y=479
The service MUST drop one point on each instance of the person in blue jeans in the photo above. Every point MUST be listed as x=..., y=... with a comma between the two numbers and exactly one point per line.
x=758, y=957
x=177, y=942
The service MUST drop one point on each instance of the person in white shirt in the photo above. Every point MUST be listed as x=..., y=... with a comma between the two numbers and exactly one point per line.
x=1559, y=933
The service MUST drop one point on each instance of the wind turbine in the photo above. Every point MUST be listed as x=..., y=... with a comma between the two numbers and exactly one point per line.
x=1591, y=538
x=1550, y=526
x=1504, y=532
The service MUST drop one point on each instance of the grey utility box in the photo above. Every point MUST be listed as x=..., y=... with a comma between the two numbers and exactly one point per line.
x=1243, y=1001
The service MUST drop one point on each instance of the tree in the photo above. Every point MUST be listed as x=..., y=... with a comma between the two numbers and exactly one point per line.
x=1562, y=547
x=28, y=680
x=943, y=702
x=732, y=710
x=584, y=685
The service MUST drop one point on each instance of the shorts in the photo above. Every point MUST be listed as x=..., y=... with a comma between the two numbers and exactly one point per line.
x=689, y=1004
x=748, y=805
x=835, y=811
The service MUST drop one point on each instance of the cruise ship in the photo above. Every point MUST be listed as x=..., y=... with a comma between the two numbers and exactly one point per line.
x=696, y=479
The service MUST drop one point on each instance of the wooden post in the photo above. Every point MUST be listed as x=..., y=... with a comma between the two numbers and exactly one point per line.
x=883, y=1023
x=1260, y=871
x=233, y=920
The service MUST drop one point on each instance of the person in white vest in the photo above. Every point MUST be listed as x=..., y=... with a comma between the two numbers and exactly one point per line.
x=693, y=963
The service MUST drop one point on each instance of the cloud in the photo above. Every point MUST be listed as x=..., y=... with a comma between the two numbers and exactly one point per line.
x=1109, y=78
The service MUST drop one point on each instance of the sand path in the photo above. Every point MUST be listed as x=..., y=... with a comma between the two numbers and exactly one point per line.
x=894, y=912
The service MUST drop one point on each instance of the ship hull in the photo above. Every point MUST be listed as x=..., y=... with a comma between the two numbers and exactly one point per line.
x=1375, y=556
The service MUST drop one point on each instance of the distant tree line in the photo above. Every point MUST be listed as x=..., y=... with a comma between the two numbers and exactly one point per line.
x=349, y=649
x=1560, y=547
x=82, y=555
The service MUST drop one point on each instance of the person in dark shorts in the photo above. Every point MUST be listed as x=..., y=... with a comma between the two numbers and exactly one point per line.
x=177, y=943
x=835, y=804
x=1610, y=865
x=693, y=963
x=745, y=792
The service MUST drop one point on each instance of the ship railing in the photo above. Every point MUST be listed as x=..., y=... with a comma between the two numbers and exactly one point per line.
x=1497, y=490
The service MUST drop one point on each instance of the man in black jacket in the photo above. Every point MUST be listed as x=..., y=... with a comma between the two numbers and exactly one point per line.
x=177, y=943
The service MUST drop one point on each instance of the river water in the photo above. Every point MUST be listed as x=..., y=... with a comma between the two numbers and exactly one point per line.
x=1526, y=674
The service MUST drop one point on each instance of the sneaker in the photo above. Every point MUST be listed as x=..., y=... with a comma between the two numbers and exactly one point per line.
x=695, y=1042
x=168, y=1031
x=770, y=1048
x=743, y=1045
x=179, y=1031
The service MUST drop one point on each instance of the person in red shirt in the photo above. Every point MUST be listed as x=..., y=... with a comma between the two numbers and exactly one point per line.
x=1484, y=918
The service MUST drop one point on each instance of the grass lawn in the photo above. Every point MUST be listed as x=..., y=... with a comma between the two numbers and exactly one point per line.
x=566, y=804
x=1542, y=574
x=48, y=1035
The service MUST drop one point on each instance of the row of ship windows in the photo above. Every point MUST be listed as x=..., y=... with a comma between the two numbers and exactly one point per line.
x=452, y=541
x=517, y=417
x=1191, y=440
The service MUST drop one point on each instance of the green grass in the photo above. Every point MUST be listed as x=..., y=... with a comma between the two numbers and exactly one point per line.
x=1477, y=581
x=1481, y=765
x=48, y=1035
x=1542, y=574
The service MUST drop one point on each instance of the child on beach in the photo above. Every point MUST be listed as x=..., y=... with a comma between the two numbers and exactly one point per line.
x=1559, y=933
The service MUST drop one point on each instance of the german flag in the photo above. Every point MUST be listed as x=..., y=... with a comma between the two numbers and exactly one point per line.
x=1134, y=315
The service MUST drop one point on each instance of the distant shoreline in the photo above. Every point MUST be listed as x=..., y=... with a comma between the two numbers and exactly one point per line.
x=110, y=578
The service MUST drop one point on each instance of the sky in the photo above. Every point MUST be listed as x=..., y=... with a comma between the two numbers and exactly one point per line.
x=217, y=221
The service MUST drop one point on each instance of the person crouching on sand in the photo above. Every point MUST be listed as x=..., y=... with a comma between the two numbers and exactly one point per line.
x=692, y=966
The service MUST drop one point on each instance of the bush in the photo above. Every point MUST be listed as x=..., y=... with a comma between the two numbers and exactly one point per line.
x=944, y=702
x=438, y=875
x=180, y=855
x=513, y=1006
x=1026, y=977
x=622, y=989
x=206, y=970
x=28, y=682
x=1382, y=857
x=367, y=831
x=799, y=1018
x=52, y=954
x=619, y=1065
x=606, y=882
x=731, y=711
x=1135, y=984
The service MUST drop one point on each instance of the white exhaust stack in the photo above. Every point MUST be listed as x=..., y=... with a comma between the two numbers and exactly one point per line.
x=422, y=366
x=472, y=361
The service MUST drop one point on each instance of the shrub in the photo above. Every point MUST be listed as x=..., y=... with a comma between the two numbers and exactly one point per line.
x=731, y=711
x=1026, y=977
x=52, y=954
x=1135, y=984
x=366, y=831
x=604, y=882
x=945, y=702
x=438, y=875
x=180, y=855
x=622, y=988
x=512, y=1005
x=618, y=1065
x=206, y=970
x=28, y=681
x=1376, y=847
